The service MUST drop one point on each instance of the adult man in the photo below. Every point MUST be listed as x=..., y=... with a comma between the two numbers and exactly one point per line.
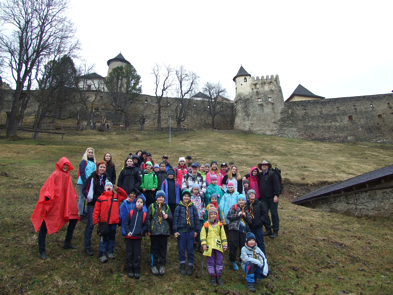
x=189, y=162
x=194, y=177
x=269, y=190
x=165, y=160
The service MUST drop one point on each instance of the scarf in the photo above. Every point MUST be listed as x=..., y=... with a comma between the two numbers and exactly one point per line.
x=187, y=212
x=252, y=209
x=159, y=212
x=242, y=208
x=254, y=253
x=101, y=179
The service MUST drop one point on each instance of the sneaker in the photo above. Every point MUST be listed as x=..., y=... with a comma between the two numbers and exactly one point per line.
x=137, y=276
x=103, y=259
x=131, y=275
x=154, y=270
x=43, y=255
x=213, y=281
x=183, y=268
x=110, y=256
x=83, y=218
x=251, y=287
x=189, y=270
x=68, y=245
x=89, y=252
x=162, y=270
x=219, y=280
x=235, y=267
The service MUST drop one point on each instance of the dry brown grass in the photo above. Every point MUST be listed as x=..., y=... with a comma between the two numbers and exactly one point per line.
x=316, y=252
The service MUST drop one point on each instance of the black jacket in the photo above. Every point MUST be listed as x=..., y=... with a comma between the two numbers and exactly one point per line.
x=129, y=178
x=269, y=185
x=111, y=171
x=161, y=176
x=98, y=189
x=259, y=213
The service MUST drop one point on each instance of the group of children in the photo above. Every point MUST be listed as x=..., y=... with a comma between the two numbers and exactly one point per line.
x=200, y=221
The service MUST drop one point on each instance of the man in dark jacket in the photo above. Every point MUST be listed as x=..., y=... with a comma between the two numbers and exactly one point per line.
x=269, y=190
x=258, y=215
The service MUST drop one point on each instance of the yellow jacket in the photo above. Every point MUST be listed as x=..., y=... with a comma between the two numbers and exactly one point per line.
x=216, y=238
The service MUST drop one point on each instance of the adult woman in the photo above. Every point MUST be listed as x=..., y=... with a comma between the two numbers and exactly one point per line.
x=213, y=171
x=93, y=188
x=86, y=167
x=56, y=206
x=233, y=176
x=110, y=170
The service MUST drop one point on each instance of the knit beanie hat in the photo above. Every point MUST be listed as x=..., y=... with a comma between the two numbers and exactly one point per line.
x=160, y=193
x=185, y=192
x=250, y=191
x=246, y=181
x=211, y=209
x=155, y=166
x=109, y=183
x=213, y=196
x=181, y=159
x=214, y=177
x=230, y=185
x=250, y=236
x=241, y=196
x=194, y=186
x=211, y=164
x=207, y=166
x=170, y=172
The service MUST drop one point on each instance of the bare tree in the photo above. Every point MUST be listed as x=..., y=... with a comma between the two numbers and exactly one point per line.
x=214, y=91
x=36, y=31
x=187, y=82
x=162, y=88
x=123, y=85
x=89, y=88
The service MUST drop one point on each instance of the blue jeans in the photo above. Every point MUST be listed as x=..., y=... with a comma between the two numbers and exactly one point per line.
x=82, y=199
x=258, y=232
x=107, y=242
x=186, y=241
x=89, y=226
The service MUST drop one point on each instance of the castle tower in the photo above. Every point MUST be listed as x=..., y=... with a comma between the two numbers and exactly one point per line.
x=242, y=81
x=118, y=61
x=258, y=103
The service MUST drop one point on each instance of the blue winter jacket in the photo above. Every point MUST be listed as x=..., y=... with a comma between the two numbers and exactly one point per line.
x=164, y=187
x=125, y=209
x=85, y=170
x=180, y=220
x=226, y=202
x=135, y=225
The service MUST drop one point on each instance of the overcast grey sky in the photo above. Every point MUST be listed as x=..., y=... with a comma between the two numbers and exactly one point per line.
x=333, y=48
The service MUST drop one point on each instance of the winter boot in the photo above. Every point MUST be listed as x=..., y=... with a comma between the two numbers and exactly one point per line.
x=89, y=252
x=189, y=270
x=43, y=255
x=137, y=275
x=219, y=280
x=213, y=281
x=154, y=270
x=68, y=245
x=162, y=270
x=274, y=234
x=183, y=268
x=268, y=232
x=131, y=275
x=251, y=287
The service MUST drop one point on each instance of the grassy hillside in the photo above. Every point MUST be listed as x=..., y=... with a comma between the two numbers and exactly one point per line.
x=316, y=252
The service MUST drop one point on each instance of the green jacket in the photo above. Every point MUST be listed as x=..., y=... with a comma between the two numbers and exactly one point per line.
x=149, y=181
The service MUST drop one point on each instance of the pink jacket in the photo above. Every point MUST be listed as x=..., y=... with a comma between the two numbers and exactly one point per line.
x=208, y=179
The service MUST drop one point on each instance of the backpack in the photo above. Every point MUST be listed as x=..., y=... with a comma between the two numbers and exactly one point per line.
x=144, y=215
x=278, y=173
x=206, y=226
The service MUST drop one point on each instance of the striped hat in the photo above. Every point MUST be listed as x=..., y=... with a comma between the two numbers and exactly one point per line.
x=212, y=209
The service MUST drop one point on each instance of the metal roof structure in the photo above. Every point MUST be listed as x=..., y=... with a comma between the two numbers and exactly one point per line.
x=303, y=91
x=120, y=58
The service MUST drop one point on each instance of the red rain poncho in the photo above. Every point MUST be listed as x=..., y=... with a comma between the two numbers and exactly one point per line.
x=61, y=204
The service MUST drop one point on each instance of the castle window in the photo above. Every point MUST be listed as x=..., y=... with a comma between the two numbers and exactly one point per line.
x=371, y=105
x=259, y=99
x=245, y=79
x=379, y=116
x=145, y=100
x=350, y=118
x=270, y=99
x=88, y=87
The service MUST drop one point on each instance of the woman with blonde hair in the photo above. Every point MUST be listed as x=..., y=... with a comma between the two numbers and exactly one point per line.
x=233, y=176
x=86, y=167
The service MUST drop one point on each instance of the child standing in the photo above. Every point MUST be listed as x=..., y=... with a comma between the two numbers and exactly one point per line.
x=214, y=242
x=172, y=190
x=135, y=227
x=246, y=186
x=202, y=171
x=214, y=203
x=213, y=188
x=181, y=170
x=239, y=219
x=198, y=203
x=127, y=206
x=149, y=184
x=186, y=228
x=258, y=215
x=254, y=262
x=107, y=208
x=227, y=201
x=212, y=171
x=161, y=175
x=158, y=222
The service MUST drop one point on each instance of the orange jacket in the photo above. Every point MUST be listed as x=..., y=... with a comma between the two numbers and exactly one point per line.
x=103, y=204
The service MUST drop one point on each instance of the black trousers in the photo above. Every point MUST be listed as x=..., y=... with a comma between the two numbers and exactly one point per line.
x=133, y=255
x=237, y=240
x=273, y=208
x=158, y=249
x=150, y=197
x=43, y=231
x=172, y=207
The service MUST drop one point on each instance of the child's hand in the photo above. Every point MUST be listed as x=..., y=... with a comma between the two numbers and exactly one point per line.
x=240, y=213
x=144, y=190
x=115, y=187
x=204, y=247
x=153, y=189
x=225, y=247
x=149, y=234
x=176, y=234
x=165, y=216
x=129, y=234
x=195, y=235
